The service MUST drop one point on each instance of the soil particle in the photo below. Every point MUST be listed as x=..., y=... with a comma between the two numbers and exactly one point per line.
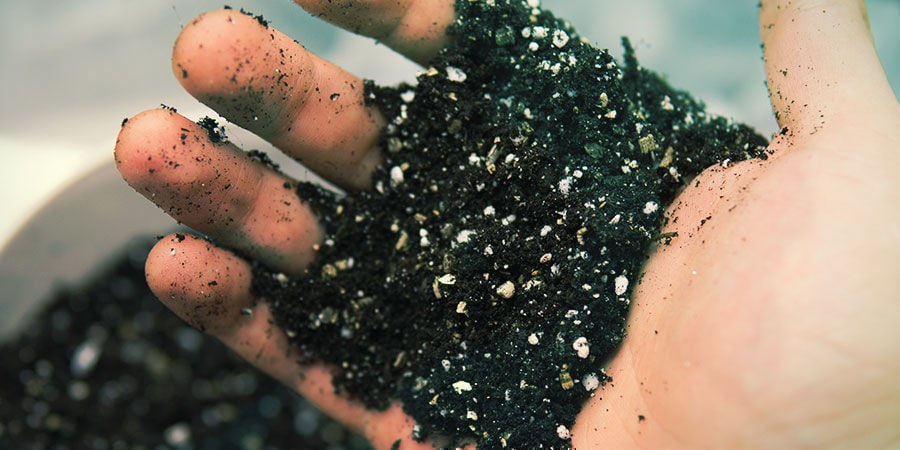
x=258, y=17
x=263, y=158
x=525, y=178
x=215, y=131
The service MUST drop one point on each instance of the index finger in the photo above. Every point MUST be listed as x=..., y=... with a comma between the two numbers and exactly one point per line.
x=414, y=28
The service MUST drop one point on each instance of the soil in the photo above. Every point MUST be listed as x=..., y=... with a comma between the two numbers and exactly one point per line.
x=106, y=366
x=483, y=283
x=485, y=280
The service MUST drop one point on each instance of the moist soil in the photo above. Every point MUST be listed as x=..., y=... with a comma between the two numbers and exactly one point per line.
x=483, y=283
x=485, y=280
x=106, y=366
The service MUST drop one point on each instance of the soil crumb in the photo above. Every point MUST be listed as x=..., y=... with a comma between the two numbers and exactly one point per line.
x=485, y=279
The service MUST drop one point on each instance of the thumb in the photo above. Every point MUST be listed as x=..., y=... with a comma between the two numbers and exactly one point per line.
x=820, y=60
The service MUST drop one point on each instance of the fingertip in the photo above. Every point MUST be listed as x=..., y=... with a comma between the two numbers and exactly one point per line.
x=195, y=36
x=265, y=82
x=130, y=152
x=153, y=146
x=245, y=70
x=821, y=63
x=204, y=285
x=199, y=48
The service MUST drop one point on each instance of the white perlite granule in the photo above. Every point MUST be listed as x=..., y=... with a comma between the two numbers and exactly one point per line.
x=621, y=283
x=581, y=347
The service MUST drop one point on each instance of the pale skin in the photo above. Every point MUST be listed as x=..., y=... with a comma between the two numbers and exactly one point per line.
x=771, y=325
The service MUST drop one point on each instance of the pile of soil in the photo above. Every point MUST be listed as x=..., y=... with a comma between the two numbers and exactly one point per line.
x=485, y=280
x=106, y=366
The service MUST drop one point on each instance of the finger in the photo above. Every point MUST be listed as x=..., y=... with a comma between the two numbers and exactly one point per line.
x=265, y=82
x=415, y=28
x=209, y=288
x=217, y=189
x=820, y=60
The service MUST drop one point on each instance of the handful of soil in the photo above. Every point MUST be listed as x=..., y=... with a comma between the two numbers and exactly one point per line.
x=485, y=280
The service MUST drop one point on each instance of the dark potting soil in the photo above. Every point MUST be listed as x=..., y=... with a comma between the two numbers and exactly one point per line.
x=485, y=280
x=106, y=366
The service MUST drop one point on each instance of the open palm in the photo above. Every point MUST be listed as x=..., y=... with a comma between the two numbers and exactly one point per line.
x=766, y=322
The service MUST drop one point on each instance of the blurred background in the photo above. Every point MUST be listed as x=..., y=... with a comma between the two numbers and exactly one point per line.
x=71, y=71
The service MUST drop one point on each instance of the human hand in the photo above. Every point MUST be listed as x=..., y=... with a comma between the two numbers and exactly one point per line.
x=220, y=192
x=768, y=321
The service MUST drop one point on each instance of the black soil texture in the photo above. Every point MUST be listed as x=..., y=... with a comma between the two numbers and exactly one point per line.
x=104, y=365
x=485, y=280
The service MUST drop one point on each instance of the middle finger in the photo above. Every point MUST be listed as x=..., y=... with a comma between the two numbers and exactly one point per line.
x=264, y=81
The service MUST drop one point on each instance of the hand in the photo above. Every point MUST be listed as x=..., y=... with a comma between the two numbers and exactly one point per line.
x=768, y=321
x=767, y=325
